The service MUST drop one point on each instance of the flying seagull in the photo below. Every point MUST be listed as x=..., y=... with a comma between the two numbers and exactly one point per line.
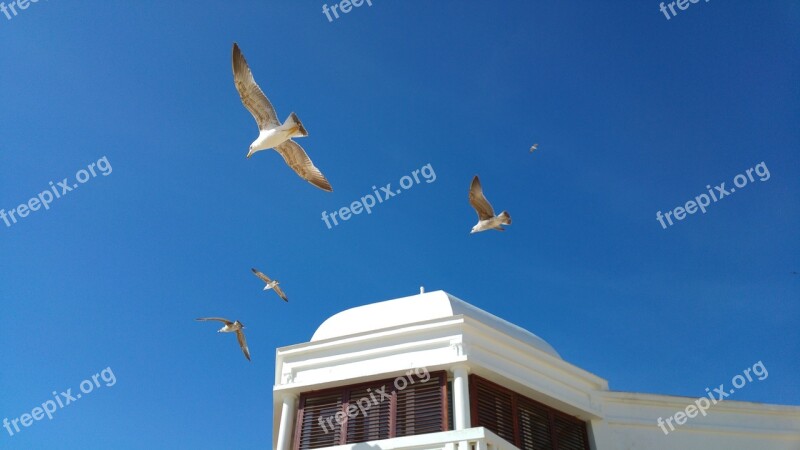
x=486, y=218
x=273, y=134
x=271, y=284
x=534, y=147
x=232, y=327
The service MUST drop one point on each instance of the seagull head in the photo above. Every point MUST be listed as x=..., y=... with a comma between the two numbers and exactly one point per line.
x=250, y=152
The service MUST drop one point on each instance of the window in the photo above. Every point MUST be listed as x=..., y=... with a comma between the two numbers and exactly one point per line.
x=523, y=422
x=313, y=434
x=402, y=406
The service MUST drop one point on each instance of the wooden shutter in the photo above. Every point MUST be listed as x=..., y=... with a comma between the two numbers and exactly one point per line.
x=524, y=422
x=373, y=425
x=420, y=407
x=570, y=433
x=310, y=433
x=494, y=408
x=534, y=426
x=449, y=400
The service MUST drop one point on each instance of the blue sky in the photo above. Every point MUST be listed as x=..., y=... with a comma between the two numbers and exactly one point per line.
x=634, y=114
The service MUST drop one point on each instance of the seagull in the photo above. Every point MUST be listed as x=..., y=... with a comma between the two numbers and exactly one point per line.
x=534, y=147
x=486, y=218
x=231, y=327
x=273, y=134
x=271, y=284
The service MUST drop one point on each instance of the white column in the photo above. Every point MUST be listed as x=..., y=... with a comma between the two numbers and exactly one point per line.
x=461, y=418
x=288, y=413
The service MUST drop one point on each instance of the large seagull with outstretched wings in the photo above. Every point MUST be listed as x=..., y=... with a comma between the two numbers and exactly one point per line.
x=271, y=133
x=486, y=218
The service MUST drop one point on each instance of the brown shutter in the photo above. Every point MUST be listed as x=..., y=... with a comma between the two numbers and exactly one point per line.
x=310, y=432
x=523, y=422
x=449, y=400
x=494, y=407
x=534, y=426
x=416, y=409
x=374, y=424
x=570, y=433
x=420, y=408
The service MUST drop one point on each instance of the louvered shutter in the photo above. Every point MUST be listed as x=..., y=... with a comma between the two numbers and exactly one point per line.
x=494, y=407
x=571, y=434
x=311, y=433
x=416, y=409
x=534, y=426
x=420, y=407
x=449, y=397
x=373, y=425
x=523, y=422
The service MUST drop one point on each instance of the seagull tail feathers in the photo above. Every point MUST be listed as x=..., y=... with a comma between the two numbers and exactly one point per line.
x=294, y=121
x=506, y=218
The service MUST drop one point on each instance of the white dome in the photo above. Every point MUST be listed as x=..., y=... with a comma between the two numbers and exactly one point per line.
x=419, y=308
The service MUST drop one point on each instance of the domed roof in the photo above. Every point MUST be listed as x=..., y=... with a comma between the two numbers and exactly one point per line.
x=419, y=308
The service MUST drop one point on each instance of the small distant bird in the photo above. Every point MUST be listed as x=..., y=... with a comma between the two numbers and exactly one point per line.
x=273, y=134
x=232, y=327
x=271, y=284
x=534, y=147
x=486, y=218
x=795, y=273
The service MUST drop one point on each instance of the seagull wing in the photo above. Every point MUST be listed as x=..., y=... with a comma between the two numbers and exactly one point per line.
x=243, y=344
x=218, y=319
x=263, y=277
x=298, y=160
x=252, y=97
x=478, y=201
x=279, y=291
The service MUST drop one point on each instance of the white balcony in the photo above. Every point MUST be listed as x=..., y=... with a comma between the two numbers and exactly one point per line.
x=478, y=438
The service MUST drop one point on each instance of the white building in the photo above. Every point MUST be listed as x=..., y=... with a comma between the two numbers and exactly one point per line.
x=431, y=371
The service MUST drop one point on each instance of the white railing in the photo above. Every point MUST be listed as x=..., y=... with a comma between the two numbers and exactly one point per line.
x=478, y=438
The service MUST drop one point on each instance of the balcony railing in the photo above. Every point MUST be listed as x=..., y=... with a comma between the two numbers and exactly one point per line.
x=478, y=438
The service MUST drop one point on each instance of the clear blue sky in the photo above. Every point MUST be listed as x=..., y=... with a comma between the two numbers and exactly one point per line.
x=634, y=114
